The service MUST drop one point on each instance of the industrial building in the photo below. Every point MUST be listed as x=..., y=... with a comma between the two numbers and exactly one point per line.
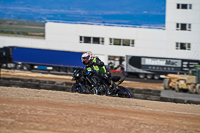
x=180, y=38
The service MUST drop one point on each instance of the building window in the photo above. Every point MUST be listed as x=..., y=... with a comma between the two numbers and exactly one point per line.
x=178, y=6
x=184, y=6
x=102, y=41
x=117, y=42
x=132, y=43
x=126, y=42
x=91, y=40
x=96, y=40
x=111, y=41
x=81, y=39
x=183, y=46
x=121, y=42
x=190, y=6
x=87, y=40
x=183, y=26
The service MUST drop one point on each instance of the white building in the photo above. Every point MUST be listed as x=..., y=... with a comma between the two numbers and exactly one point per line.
x=179, y=39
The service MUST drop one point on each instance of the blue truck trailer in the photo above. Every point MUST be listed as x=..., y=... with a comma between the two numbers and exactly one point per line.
x=43, y=59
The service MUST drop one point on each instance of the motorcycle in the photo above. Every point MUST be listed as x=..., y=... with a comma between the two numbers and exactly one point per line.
x=90, y=82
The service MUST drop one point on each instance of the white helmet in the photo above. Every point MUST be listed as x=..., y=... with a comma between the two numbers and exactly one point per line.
x=86, y=57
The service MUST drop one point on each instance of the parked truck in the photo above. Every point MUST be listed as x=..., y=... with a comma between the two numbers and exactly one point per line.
x=42, y=59
x=157, y=67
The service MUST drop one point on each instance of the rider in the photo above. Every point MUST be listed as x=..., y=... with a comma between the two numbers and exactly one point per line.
x=94, y=63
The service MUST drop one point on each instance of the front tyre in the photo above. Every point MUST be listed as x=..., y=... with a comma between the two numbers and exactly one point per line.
x=76, y=88
x=166, y=82
x=124, y=92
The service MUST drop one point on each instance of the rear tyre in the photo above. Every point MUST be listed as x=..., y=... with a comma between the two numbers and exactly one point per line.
x=177, y=88
x=124, y=92
x=18, y=67
x=192, y=89
x=166, y=84
x=156, y=77
x=26, y=67
x=4, y=66
x=141, y=75
x=198, y=88
x=149, y=76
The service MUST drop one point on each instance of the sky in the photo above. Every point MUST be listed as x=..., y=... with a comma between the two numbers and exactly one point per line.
x=129, y=12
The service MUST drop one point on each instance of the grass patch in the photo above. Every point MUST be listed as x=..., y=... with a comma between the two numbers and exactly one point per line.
x=20, y=27
x=21, y=22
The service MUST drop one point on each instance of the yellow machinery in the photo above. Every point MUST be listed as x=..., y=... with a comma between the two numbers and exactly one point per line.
x=178, y=82
x=170, y=81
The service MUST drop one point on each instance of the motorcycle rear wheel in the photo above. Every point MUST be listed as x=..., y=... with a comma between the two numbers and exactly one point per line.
x=124, y=92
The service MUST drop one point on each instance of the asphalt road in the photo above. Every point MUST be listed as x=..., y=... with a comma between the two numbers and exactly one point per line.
x=180, y=95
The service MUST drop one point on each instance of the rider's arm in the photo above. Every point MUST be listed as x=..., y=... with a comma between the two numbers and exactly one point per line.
x=99, y=62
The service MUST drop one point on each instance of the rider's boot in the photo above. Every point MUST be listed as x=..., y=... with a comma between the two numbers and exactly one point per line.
x=95, y=91
x=109, y=91
x=114, y=87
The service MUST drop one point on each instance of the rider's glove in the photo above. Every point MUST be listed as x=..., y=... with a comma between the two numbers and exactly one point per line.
x=84, y=71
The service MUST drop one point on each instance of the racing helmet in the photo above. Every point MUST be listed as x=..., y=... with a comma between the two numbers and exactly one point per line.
x=86, y=57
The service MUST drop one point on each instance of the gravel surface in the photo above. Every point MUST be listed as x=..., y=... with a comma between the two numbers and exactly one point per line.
x=43, y=111
x=24, y=110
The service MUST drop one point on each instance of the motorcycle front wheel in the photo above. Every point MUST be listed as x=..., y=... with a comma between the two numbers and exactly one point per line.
x=85, y=89
x=76, y=88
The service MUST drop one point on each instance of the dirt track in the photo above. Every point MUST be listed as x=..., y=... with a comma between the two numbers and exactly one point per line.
x=42, y=111
x=27, y=110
